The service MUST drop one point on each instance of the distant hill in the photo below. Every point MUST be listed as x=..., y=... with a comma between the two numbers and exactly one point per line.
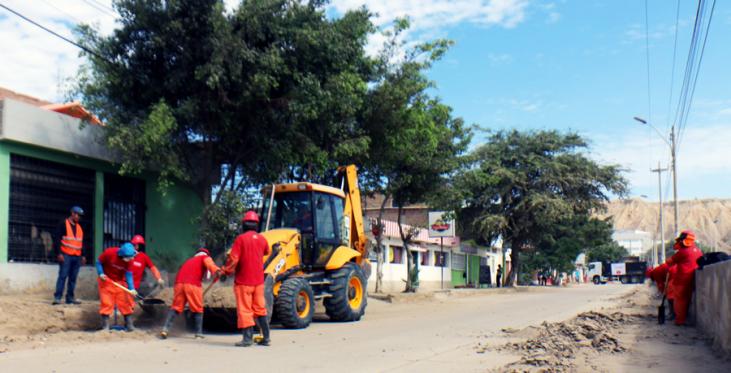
x=710, y=219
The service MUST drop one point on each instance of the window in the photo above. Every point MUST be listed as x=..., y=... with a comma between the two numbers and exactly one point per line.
x=458, y=261
x=290, y=210
x=327, y=224
x=124, y=209
x=396, y=255
x=41, y=195
x=425, y=258
x=441, y=259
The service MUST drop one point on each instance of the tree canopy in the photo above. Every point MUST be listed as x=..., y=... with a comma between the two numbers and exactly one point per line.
x=522, y=185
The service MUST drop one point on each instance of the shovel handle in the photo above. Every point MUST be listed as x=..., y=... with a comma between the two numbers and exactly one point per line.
x=215, y=279
x=125, y=289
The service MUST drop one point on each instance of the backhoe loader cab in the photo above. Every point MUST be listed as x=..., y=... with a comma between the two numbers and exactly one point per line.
x=317, y=250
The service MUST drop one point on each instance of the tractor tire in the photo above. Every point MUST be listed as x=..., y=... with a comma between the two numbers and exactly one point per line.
x=623, y=279
x=597, y=280
x=349, y=292
x=294, y=307
x=269, y=296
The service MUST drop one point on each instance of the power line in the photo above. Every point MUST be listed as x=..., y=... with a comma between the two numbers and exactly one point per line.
x=62, y=11
x=647, y=50
x=100, y=7
x=698, y=70
x=672, y=75
x=85, y=49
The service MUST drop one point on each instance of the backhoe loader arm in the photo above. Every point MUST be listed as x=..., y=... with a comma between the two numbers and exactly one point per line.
x=353, y=212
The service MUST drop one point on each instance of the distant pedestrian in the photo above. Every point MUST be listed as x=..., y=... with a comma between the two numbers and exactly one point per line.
x=67, y=246
x=499, y=276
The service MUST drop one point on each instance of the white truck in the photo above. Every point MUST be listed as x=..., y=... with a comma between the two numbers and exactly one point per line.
x=628, y=272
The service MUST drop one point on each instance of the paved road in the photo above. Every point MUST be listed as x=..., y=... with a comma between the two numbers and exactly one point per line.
x=419, y=336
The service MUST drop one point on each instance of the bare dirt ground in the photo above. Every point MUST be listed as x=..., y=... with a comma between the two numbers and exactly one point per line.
x=464, y=331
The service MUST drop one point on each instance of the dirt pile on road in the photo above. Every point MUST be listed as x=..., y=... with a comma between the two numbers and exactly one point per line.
x=555, y=346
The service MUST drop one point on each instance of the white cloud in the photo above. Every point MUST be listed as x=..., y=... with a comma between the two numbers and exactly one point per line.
x=499, y=59
x=33, y=61
x=439, y=14
x=702, y=155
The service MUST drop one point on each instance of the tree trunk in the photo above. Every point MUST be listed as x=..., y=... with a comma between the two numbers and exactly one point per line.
x=406, y=238
x=514, y=264
x=379, y=246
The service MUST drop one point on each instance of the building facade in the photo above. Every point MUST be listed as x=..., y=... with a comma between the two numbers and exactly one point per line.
x=635, y=241
x=49, y=162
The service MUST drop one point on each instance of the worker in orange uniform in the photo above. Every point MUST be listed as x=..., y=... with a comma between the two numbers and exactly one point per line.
x=115, y=265
x=189, y=290
x=68, y=244
x=246, y=260
x=682, y=280
x=143, y=261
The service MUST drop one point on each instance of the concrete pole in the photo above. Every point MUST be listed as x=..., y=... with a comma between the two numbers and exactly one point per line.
x=662, y=219
x=675, y=178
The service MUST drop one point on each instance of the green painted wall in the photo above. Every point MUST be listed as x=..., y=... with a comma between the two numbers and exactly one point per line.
x=170, y=226
x=4, y=201
x=474, y=266
x=457, y=279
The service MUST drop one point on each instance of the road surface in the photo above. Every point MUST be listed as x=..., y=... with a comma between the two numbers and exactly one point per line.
x=426, y=335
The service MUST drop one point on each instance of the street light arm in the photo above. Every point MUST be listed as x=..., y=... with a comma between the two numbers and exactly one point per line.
x=663, y=137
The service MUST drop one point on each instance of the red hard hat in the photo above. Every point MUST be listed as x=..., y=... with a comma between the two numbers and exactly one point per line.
x=138, y=240
x=203, y=250
x=251, y=216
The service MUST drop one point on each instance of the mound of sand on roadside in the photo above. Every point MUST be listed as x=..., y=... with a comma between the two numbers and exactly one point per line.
x=555, y=346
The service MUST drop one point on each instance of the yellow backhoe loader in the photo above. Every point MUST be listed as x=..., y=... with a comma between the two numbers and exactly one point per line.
x=318, y=250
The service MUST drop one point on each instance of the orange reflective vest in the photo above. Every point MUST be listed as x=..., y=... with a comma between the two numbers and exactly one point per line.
x=71, y=243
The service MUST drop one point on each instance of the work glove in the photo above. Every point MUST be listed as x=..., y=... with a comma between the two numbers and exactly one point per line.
x=103, y=277
x=60, y=258
x=134, y=293
x=160, y=282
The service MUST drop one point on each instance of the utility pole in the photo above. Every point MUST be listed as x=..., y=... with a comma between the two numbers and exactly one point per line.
x=662, y=220
x=675, y=179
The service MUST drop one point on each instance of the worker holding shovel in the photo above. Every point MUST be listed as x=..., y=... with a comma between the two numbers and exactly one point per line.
x=141, y=262
x=114, y=267
x=189, y=290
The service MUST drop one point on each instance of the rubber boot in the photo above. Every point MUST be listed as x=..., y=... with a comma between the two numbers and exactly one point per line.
x=263, y=325
x=198, y=318
x=105, y=323
x=247, y=335
x=128, y=324
x=168, y=323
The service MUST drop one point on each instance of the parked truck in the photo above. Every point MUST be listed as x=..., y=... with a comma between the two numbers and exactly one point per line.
x=627, y=272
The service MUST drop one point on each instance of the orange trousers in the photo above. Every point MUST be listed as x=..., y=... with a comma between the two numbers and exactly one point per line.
x=110, y=296
x=190, y=294
x=250, y=303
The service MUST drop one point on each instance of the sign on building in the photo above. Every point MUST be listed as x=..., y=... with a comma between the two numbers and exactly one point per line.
x=440, y=225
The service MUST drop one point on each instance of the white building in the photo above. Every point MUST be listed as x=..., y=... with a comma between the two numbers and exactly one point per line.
x=635, y=241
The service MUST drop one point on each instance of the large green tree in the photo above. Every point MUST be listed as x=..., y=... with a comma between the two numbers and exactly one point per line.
x=270, y=91
x=522, y=184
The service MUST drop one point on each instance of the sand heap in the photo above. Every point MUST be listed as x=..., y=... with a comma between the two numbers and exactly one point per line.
x=709, y=218
x=555, y=346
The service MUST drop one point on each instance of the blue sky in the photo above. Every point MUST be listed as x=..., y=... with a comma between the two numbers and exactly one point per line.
x=570, y=65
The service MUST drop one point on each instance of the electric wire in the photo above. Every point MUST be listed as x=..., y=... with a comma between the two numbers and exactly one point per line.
x=100, y=8
x=647, y=54
x=82, y=47
x=672, y=74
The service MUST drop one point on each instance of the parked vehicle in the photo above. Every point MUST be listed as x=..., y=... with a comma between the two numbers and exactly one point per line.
x=627, y=272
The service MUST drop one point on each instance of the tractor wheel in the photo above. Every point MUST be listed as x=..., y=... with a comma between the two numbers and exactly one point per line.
x=349, y=294
x=269, y=296
x=597, y=280
x=295, y=304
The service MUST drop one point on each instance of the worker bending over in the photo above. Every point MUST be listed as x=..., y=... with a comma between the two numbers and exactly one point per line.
x=682, y=279
x=114, y=267
x=189, y=290
x=246, y=260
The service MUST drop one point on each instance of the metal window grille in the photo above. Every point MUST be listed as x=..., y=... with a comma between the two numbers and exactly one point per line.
x=124, y=209
x=41, y=195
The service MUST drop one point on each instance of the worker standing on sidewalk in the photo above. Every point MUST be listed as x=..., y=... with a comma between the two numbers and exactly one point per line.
x=114, y=265
x=68, y=244
x=682, y=280
x=142, y=261
x=189, y=290
x=499, y=276
x=246, y=260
